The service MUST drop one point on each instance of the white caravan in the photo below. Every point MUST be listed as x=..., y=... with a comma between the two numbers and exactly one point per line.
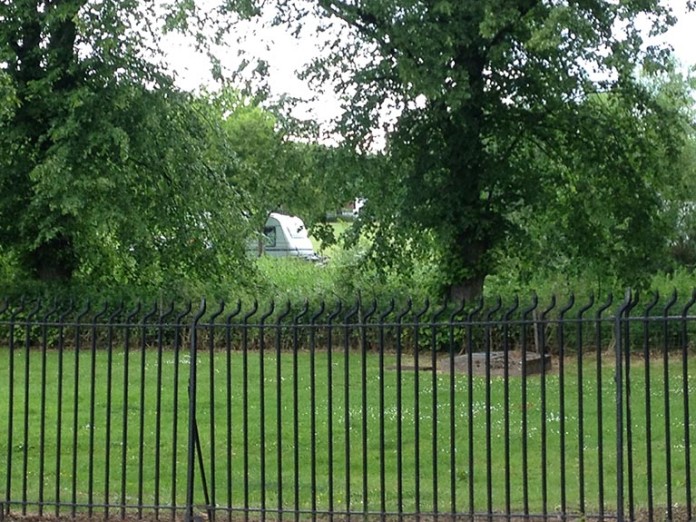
x=284, y=236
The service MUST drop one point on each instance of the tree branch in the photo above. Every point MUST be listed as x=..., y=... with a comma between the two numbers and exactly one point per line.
x=507, y=28
x=362, y=20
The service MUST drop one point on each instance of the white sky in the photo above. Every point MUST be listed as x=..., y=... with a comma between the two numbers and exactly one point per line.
x=288, y=55
x=681, y=36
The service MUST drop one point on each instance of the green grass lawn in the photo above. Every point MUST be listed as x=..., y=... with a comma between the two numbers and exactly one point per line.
x=330, y=431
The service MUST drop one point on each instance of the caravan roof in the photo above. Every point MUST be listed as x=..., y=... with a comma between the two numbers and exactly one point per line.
x=287, y=236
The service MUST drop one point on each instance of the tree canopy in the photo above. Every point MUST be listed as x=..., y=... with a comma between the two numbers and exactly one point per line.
x=107, y=170
x=499, y=111
x=480, y=133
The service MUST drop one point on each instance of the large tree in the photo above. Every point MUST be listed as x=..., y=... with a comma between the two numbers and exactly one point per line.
x=107, y=171
x=488, y=109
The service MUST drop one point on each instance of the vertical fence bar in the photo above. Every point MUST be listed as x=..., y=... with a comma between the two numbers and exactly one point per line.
x=76, y=404
x=544, y=431
x=10, y=403
x=600, y=429
x=561, y=399
x=416, y=405
x=363, y=395
x=648, y=405
x=668, y=421
x=526, y=321
x=163, y=317
x=108, y=408
x=228, y=403
x=581, y=409
x=506, y=401
x=141, y=406
x=211, y=400
x=619, y=381
x=59, y=404
x=362, y=318
x=685, y=396
x=4, y=501
x=295, y=410
x=92, y=407
x=629, y=423
x=279, y=408
x=130, y=321
x=245, y=403
x=262, y=404
x=382, y=463
x=433, y=359
x=191, y=445
x=470, y=400
x=42, y=427
x=178, y=341
x=25, y=441
x=59, y=420
x=346, y=401
x=399, y=413
x=489, y=418
x=330, y=405
x=313, y=406
x=452, y=409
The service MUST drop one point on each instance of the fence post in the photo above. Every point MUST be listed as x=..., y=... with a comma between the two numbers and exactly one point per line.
x=618, y=379
x=191, y=446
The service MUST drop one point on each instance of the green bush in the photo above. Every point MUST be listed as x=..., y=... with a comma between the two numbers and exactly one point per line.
x=345, y=276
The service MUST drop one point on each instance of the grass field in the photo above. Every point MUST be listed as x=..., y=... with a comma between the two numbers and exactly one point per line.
x=339, y=227
x=336, y=431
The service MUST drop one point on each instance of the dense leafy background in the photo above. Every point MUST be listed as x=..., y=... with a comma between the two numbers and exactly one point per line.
x=501, y=145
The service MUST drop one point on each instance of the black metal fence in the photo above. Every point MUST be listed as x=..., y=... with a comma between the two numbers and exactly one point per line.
x=560, y=409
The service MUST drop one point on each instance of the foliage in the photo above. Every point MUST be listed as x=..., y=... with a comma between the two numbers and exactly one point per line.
x=495, y=110
x=110, y=175
x=683, y=248
x=611, y=218
x=8, y=99
x=608, y=226
x=682, y=205
x=518, y=138
x=281, y=172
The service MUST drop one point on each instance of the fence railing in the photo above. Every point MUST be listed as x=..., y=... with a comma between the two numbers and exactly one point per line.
x=560, y=409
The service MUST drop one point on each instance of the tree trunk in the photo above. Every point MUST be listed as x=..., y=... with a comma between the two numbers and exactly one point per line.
x=468, y=290
x=467, y=267
x=53, y=261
